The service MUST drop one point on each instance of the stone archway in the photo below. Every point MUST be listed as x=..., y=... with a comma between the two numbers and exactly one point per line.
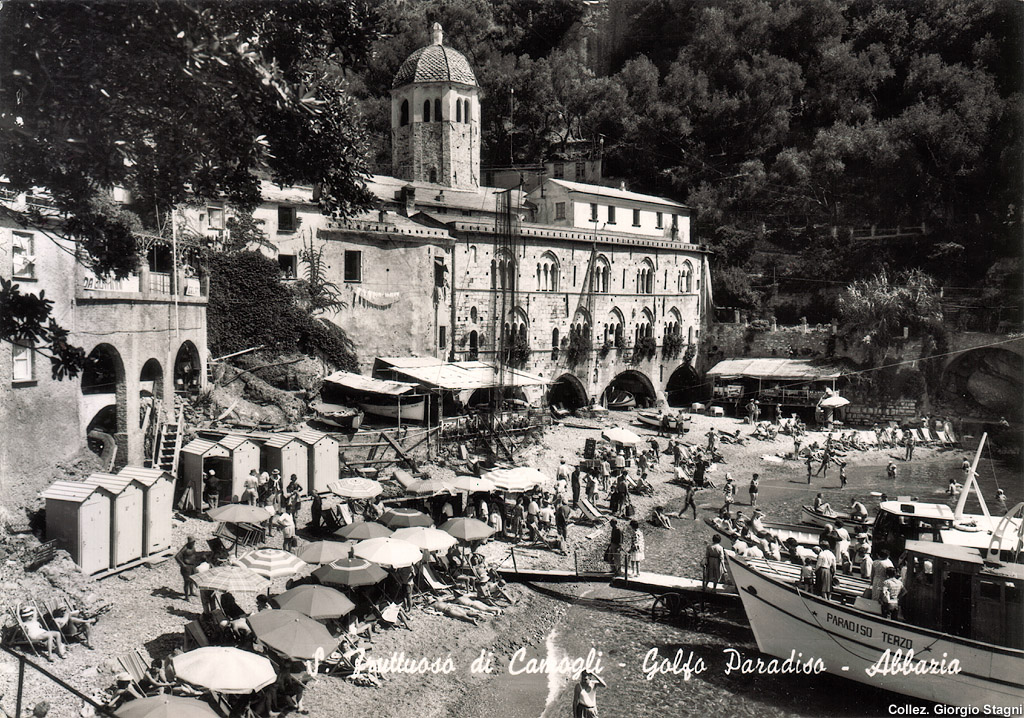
x=568, y=392
x=151, y=380
x=990, y=378
x=187, y=368
x=105, y=400
x=636, y=383
x=684, y=386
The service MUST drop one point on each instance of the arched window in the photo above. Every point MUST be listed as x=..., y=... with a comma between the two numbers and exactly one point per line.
x=437, y=110
x=474, y=344
x=473, y=315
x=404, y=120
x=465, y=110
x=458, y=110
x=686, y=279
x=554, y=343
x=426, y=110
x=550, y=272
x=472, y=255
x=601, y=275
x=433, y=175
x=645, y=278
x=615, y=323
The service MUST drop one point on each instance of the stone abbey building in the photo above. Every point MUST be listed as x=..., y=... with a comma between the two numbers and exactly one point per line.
x=592, y=287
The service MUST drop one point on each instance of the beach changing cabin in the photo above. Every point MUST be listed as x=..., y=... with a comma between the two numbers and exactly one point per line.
x=322, y=459
x=245, y=457
x=198, y=457
x=157, y=506
x=288, y=455
x=78, y=519
x=125, y=516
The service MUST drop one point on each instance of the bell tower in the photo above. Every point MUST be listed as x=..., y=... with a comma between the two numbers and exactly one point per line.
x=435, y=117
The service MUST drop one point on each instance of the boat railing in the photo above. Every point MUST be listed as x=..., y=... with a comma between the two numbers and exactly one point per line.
x=1010, y=524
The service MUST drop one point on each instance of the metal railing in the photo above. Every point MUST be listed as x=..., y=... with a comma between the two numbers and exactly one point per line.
x=100, y=709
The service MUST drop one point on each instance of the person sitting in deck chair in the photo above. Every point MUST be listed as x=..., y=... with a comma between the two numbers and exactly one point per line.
x=72, y=625
x=658, y=518
x=38, y=635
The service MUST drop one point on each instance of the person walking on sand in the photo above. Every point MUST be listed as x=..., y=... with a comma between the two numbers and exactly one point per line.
x=636, y=549
x=714, y=563
x=689, y=502
x=584, y=699
x=810, y=467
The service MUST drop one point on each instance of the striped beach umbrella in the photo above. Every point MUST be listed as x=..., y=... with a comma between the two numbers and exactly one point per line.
x=350, y=572
x=231, y=579
x=429, y=487
x=399, y=518
x=472, y=484
x=356, y=488
x=166, y=706
x=272, y=562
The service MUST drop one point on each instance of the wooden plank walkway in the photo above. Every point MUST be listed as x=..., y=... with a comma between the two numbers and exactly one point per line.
x=657, y=583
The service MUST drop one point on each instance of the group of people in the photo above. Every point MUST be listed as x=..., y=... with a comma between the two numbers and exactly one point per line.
x=625, y=552
x=53, y=630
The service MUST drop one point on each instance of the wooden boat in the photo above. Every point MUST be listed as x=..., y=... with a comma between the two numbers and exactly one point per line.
x=817, y=518
x=961, y=640
x=801, y=533
x=412, y=409
x=621, y=400
x=339, y=415
x=653, y=418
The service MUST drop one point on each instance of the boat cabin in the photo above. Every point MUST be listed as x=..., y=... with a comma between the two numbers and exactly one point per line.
x=898, y=522
x=953, y=589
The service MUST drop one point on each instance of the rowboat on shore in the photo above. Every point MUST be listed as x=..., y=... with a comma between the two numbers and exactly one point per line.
x=621, y=400
x=411, y=409
x=653, y=419
x=818, y=518
x=801, y=533
x=338, y=415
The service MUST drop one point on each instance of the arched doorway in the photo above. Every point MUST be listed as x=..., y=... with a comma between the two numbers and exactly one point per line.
x=634, y=383
x=990, y=379
x=151, y=380
x=105, y=400
x=187, y=368
x=568, y=392
x=151, y=394
x=684, y=387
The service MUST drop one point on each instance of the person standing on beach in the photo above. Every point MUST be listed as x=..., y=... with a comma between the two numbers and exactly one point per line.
x=636, y=549
x=584, y=699
x=909, y=442
x=688, y=502
x=729, y=491
x=575, y=483
x=187, y=559
x=613, y=554
x=714, y=563
x=810, y=467
x=842, y=474
x=754, y=488
x=1001, y=500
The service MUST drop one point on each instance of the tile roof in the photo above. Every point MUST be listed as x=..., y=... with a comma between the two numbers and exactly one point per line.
x=435, y=63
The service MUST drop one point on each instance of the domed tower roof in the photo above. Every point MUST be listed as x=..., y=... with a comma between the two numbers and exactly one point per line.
x=435, y=63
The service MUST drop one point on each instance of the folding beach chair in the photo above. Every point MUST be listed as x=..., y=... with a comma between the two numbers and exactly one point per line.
x=431, y=583
x=590, y=511
x=392, y=615
x=941, y=437
x=135, y=664
x=927, y=436
x=16, y=634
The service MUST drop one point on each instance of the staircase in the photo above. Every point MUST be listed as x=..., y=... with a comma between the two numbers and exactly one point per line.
x=168, y=445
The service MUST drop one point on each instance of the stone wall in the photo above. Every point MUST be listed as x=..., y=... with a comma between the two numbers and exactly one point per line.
x=725, y=341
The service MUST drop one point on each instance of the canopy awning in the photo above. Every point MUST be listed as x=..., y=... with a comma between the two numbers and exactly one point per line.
x=358, y=382
x=455, y=376
x=778, y=369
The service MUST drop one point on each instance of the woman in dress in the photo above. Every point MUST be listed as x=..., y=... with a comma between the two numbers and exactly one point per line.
x=584, y=700
x=636, y=549
x=714, y=562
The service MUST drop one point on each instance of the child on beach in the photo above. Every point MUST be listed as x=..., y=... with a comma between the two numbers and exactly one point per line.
x=636, y=550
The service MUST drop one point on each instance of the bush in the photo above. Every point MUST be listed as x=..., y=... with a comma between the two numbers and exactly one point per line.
x=671, y=345
x=645, y=348
x=518, y=352
x=579, y=348
x=328, y=342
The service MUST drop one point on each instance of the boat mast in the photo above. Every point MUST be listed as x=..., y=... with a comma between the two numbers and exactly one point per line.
x=972, y=482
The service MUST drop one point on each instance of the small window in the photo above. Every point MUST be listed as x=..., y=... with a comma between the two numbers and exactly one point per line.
x=675, y=224
x=458, y=111
x=611, y=214
x=442, y=337
x=660, y=220
x=636, y=218
x=581, y=170
x=433, y=175
x=437, y=110
x=441, y=210
x=465, y=113
x=23, y=256
x=353, y=266
x=288, y=264
x=404, y=115
x=24, y=363
x=559, y=170
x=593, y=211
x=286, y=219
x=559, y=210
x=989, y=590
x=440, y=272
x=215, y=217
x=426, y=111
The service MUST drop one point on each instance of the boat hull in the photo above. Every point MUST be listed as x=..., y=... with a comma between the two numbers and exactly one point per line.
x=655, y=421
x=804, y=535
x=853, y=644
x=816, y=518
x=411, y=411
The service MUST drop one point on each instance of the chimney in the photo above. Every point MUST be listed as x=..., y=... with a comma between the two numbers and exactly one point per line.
x=408, y=200
x=622, y=185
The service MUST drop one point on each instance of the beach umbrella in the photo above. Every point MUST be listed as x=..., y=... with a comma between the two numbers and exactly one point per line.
x=472, y=484
x=513, y=480
x=428, y=487
x=317, y=602
x=618, y=435
x=272, y=562
x=321, y=552
x=467, y=529
x=166, y=706
x=292, y=634
x=231, y=579
x=389, y=552
x=834, y=402
x=356, y=488
x=350, y=572
x=223, y=669
x=403, y=518
x=239, y=514
x=428, y=539
x=362, y=530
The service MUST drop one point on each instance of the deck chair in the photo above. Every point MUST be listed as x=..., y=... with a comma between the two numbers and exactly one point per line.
x=135, y=664
x=941, y=437
x=392, y=615
x=431, y=583
x=869, y=438
x=590, y=511
x=16, y=634
x=927, y=436
x=195, y=636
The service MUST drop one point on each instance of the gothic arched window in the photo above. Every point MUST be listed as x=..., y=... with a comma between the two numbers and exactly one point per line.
x=437, y=110
x=404, y=113
x=426, y=110
x=458, y=111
